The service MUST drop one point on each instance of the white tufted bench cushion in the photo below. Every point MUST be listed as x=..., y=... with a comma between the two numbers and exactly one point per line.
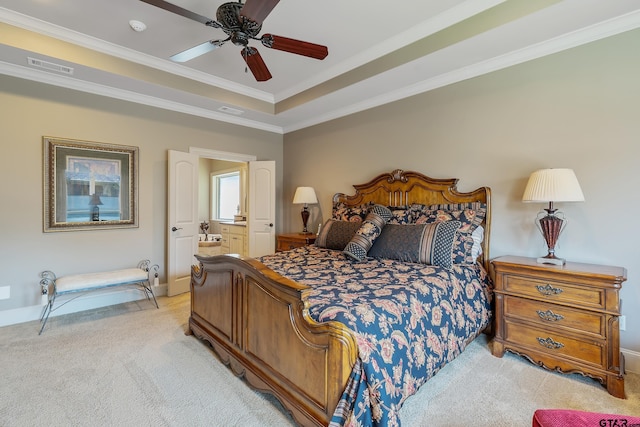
x=85, y=282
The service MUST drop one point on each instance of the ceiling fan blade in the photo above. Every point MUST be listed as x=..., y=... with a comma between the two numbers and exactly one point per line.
x=298, y=47
x=256, y=64
x=194, y=52
x=170, y=7
x=258, y=10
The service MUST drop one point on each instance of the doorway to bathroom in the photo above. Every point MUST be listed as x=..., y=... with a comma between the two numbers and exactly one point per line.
x=222, y=193
x=184, y=210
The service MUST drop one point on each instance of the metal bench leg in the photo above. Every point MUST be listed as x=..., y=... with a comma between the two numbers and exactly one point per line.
x=45, y=313
x=148, y=290
x=48, y=285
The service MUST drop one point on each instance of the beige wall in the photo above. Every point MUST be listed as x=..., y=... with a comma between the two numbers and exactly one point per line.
x=30, y=111
x=577, y=109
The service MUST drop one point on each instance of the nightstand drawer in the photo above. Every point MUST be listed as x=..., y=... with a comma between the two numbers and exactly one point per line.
x=555, y=316
x=555, y=291
x=286, y=245
x=556, y=344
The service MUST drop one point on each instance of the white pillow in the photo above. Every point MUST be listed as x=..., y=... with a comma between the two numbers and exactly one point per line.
x=477, y=236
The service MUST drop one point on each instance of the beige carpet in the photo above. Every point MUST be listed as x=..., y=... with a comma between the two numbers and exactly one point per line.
x=132, y=365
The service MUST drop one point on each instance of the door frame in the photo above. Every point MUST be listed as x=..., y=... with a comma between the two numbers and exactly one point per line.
x=222, y=155
x=205, y=153
x=216, y=155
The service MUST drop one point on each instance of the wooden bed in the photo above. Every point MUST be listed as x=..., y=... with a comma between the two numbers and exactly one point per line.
x=258, y=323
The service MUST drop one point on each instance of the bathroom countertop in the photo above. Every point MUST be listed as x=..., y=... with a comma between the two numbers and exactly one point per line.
x=240, y=223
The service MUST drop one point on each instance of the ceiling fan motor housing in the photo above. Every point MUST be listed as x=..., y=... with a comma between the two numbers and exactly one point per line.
x=236, y=26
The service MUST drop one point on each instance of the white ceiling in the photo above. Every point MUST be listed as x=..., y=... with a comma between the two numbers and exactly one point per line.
x=379, y=51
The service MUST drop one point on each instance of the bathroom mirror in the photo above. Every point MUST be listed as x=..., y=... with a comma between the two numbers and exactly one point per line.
x=89, y=185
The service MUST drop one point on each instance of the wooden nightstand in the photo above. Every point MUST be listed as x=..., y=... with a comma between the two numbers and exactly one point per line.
x=563, y=318
x=289, y=241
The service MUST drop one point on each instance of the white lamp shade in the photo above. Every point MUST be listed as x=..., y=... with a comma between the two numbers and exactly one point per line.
x=305, y=195
x=553, y=185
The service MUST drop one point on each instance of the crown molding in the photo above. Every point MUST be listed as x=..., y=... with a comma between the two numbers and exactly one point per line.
x=429, y=27
x=125, y=95
x=567, y=41
x=570, y=40
x=47, y=29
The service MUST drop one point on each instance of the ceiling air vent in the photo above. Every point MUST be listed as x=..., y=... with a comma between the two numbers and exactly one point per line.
x=230, y=110
x=50, y=66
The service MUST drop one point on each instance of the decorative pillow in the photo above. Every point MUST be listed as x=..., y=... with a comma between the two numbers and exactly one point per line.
x=368, y=232
x=477, y=236
x=400, y=215
x=421, y=243
x=357, y=213
x=336, y=234
x=470, y=215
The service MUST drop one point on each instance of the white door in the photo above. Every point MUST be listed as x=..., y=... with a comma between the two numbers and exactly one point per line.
x=262, y=208
x=183, y=224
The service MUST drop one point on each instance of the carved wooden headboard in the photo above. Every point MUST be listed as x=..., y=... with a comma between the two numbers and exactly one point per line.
x=400, y=188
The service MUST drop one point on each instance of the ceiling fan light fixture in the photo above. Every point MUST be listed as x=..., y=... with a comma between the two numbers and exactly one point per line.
x=239, y=38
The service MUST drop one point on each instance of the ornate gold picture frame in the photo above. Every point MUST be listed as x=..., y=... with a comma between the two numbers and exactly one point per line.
x=89, y=185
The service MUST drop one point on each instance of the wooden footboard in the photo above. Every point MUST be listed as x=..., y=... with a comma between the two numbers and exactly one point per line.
x=256, y=321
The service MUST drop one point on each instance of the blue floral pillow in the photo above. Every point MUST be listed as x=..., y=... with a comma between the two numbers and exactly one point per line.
x=401, y=215
x=342, y=212
x=368, y=232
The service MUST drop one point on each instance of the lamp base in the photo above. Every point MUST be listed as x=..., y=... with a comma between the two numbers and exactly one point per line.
x=305, y=217
x=551, y=260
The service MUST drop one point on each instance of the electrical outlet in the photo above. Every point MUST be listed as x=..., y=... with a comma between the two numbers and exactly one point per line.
x=5, y=292
x=623, y=323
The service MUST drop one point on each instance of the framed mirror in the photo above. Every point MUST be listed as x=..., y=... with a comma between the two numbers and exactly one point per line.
x=89, y=185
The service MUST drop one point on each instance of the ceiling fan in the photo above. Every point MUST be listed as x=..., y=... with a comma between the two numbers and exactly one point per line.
x=242, y=23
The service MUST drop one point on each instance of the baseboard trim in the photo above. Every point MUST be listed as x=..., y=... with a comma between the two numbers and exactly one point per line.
x=631, y=361
x=88, y=301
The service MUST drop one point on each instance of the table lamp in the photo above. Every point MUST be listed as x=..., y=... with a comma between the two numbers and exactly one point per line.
x=552, y=185
x=304, y=196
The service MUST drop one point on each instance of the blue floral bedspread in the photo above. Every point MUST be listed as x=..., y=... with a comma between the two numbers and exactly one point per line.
x=409, y=321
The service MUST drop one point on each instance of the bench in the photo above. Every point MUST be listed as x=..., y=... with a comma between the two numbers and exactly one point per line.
x=53, y=286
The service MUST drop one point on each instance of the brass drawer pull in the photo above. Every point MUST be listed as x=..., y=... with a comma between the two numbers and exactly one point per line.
x=549, y=343
x=548, y=290
x=549, y=315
